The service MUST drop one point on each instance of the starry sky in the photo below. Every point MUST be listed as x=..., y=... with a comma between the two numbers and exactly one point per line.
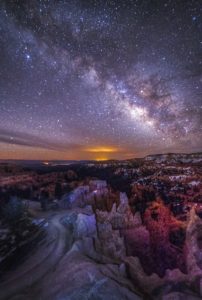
x=99, y=79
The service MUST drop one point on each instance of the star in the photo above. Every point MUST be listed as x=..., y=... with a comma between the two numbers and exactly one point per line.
x=27, y=56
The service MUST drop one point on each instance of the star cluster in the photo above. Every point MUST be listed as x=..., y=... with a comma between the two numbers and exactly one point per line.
x=99, y=79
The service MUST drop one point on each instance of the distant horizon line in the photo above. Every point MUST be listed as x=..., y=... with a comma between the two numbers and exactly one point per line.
x=97, y=160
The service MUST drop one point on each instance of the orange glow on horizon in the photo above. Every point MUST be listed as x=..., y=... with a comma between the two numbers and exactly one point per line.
x=101, y=159
x=102, y=149
x=8, y=151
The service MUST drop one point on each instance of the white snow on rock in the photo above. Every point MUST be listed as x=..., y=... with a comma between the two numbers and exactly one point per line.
x=194, y=183
x=177, y=177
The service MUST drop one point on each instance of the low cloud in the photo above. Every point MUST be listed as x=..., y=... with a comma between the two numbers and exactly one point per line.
x=33, y=141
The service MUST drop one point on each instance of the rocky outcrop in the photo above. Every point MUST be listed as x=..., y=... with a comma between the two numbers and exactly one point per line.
x=165, y=287
x=109, y=242
x=119, y=217
x=137, y=241
x=77, y=278
x=194, y=260
x=153, y=285
x=85, y=226
x=81, y=224
x=193, y=251
x=121, y=234
x=138, y=276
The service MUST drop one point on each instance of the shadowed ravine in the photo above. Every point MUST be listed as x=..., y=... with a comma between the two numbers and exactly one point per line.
x=37, y=267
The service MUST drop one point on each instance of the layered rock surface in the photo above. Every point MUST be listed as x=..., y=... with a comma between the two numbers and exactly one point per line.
x=121, y=234
x=104, y=260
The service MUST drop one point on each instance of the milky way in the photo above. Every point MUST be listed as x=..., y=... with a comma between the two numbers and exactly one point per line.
x=99, y=79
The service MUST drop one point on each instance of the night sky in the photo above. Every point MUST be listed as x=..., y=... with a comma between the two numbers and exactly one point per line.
x=100, y=79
